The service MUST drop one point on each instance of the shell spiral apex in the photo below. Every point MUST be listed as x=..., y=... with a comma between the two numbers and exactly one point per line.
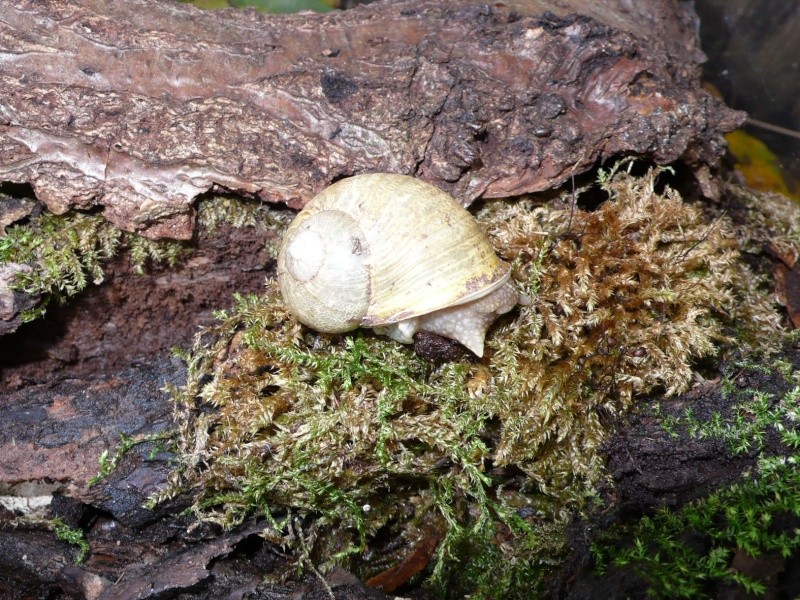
x=390, y=251
x=322, y=272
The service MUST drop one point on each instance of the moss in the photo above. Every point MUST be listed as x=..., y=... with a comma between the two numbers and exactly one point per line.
x=65, y=253
x=628, y=297
x=344, y=441
x=349, y=437
x=766, y=224
x=73, y=536
x=238, y=213
x=107, y=463
x=686, y=553
x=68, y=252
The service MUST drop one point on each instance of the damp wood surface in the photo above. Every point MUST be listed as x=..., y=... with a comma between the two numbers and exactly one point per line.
x=140, y=106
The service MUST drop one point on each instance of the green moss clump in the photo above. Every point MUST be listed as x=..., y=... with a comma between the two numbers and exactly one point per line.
x=238, y=213
x=343, y=441
x=349, y=437
x=628, y=297
x=67, y=252
x=752, y=415
x=73, y=536
x=684, y=553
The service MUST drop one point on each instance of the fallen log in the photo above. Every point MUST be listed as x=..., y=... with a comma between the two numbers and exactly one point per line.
x=140, y=106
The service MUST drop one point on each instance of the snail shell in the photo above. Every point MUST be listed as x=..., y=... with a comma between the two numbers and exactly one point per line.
x=393, y=253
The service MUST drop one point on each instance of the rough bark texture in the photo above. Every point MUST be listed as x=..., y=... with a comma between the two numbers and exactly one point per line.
x=140, y=106
x=56, y=431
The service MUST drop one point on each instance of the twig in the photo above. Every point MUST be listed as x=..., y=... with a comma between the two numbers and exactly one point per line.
x=774, y=128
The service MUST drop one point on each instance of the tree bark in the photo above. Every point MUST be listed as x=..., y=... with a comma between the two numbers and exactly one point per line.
x=140, y=106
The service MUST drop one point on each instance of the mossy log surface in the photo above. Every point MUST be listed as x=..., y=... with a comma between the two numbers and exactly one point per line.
x=137, y=107
x=649, y=469
x=140, y=106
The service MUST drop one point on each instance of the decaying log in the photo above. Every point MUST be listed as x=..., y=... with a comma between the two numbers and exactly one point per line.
x=137, y=107
x=140, y=106
x=56, y=431
x=649, y=469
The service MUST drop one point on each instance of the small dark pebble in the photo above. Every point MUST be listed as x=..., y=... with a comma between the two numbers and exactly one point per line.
x=437, y=348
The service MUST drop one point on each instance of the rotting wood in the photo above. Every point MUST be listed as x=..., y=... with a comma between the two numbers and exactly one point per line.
x=140, y=106
x=56, y=431
x=161, y=102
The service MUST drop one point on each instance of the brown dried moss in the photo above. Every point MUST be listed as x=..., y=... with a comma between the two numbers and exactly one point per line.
x=628, y=297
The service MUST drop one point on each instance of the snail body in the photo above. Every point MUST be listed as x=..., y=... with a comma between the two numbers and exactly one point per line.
x=396, y=254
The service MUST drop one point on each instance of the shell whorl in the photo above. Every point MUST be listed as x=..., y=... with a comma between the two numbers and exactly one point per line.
x=322, y=271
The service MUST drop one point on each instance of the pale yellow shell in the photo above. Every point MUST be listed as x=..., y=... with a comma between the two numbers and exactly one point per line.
x=377, y=249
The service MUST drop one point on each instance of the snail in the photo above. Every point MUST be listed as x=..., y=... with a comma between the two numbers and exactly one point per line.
x=398, y=255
